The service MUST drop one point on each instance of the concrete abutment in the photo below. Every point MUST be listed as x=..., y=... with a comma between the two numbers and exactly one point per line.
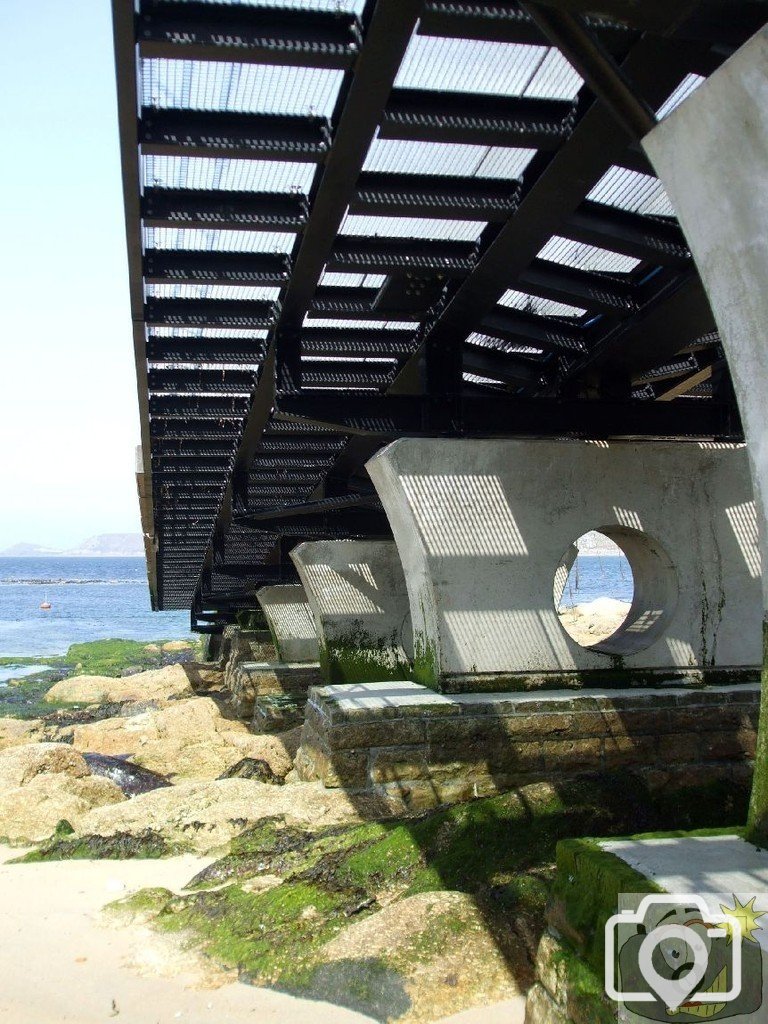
x=357, y=594
x=711, y=154
x=481, y=527
x=290, y=622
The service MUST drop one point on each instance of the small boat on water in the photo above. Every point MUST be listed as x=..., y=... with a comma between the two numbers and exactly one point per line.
x=45, y=604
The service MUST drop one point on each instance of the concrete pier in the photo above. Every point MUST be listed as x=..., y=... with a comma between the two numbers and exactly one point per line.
x=358, y=598
x=481, y=527
x=711, y=154
x=290, y=622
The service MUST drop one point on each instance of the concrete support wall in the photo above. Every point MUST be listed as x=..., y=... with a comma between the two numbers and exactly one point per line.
x=481, y=527
x=290, y=622
x=357, y=595
x=712, y=156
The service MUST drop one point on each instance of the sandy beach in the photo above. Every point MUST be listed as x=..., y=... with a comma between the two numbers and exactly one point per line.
x=66, y=962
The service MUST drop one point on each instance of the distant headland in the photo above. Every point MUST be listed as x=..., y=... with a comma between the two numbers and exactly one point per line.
x=104, y=545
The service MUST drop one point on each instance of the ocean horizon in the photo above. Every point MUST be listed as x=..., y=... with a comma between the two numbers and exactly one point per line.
x=91, y=598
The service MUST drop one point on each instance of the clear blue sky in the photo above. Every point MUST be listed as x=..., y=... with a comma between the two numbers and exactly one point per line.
x=68, y=408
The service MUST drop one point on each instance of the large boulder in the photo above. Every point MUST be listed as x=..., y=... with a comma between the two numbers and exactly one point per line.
x=19, y=765
x=17, y=731
x=206, y=815
x=189, y=739
x=177, y=645
x=156, y=684
x=43, y=783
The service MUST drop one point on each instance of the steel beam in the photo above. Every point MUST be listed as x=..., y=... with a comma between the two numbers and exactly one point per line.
x=501, y=416
x=358, y=114
x=502, y=21
x=226, y=428
x=196, y=406
x=427, y=116
x=422, y=195
x=488, y=362
x=223, y=210
x=189, y=381
x=127, y=113
x=233, y=135
x=597, y=293
x=360, y=254
x=242, y=351
x=179, y=266
x=210, y=313
x=319, y=341
x=544, y=332
x=205, y=31
x=651, y=239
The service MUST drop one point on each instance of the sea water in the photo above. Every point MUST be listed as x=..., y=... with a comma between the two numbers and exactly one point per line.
x=91, y=599
x=595, y=576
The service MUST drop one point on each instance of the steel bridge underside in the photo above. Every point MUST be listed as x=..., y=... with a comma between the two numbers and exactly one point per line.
x=354, y=221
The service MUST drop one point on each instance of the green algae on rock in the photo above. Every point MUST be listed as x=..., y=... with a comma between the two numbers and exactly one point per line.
x=120, y=846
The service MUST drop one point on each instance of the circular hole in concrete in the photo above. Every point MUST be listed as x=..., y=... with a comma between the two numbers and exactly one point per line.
x=615, y=590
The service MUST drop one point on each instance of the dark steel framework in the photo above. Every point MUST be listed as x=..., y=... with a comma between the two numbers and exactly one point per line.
x=354, y=220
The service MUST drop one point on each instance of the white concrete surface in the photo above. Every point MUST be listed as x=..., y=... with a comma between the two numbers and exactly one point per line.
x=291, y=623
x=482, y=525
x=406, y=694
x=711, y=154
x=358, y=598
x=725, y=864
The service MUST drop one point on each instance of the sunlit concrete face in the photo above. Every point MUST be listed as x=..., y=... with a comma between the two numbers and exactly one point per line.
x=481, y=527
x=711, y=154
x=359, y=602
x=290, y=622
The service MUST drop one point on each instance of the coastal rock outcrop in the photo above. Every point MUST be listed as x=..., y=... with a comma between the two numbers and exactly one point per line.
x=17, y=731
x=188, y=739
x=156, y=684
x=206, y=815
x=43, y=783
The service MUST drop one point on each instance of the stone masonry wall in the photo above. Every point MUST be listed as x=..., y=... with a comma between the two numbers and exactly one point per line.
x=413, y=748
x=247, y=646
x=280, y=688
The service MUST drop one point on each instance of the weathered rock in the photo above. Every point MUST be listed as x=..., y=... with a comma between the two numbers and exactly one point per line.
x=63, y=845
x=435, y=945
x=17, y=731
x=206, y=815
x=188, y=739
x=159, y=684
x=204, y=677
x=43, y=783
x=177, y=645
x=20, y=765
x=253, y=768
